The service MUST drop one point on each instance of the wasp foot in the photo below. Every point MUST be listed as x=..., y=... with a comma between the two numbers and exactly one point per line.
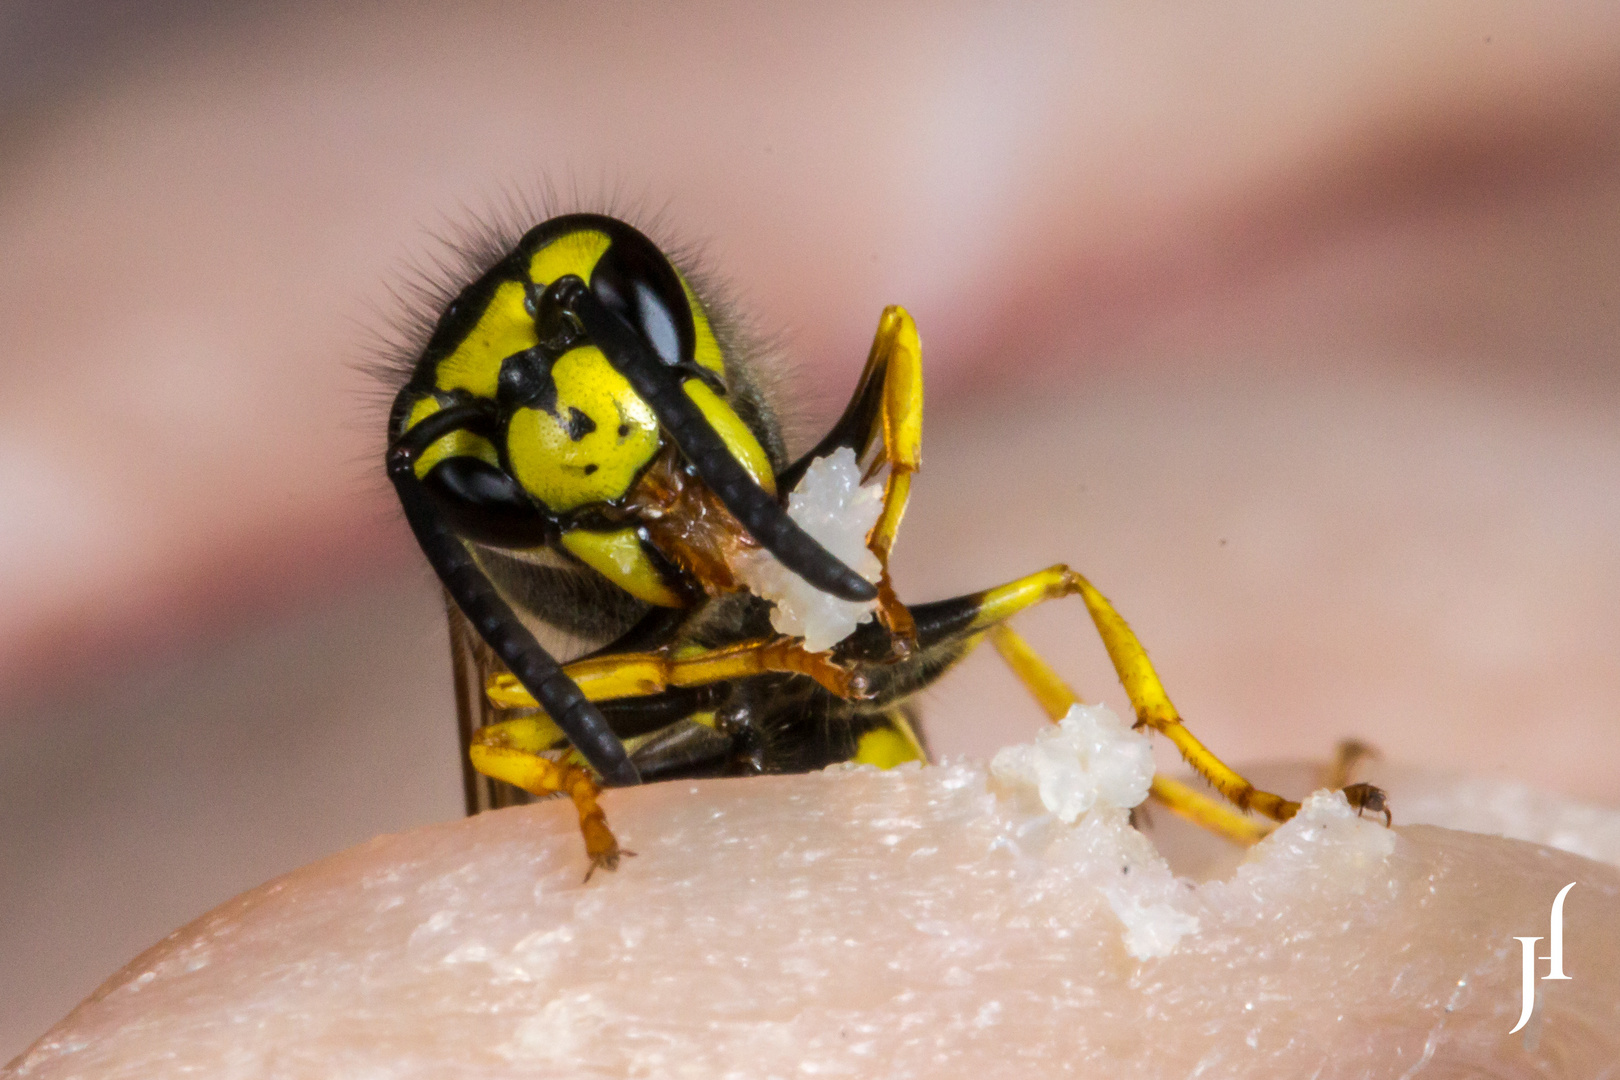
x=1366, y=797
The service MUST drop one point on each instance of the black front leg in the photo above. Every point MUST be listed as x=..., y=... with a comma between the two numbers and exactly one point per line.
x=488, y=612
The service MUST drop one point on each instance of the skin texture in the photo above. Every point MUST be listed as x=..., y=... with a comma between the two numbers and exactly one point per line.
x=1290, y=327
x=896, y=924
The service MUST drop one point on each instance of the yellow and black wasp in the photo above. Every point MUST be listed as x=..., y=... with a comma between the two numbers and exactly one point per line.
x=582, y=445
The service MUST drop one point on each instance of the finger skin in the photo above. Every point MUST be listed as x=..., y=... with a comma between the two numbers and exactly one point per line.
x=917, y=926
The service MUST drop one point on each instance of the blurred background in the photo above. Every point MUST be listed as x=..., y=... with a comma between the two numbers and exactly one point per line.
x=1293, y=326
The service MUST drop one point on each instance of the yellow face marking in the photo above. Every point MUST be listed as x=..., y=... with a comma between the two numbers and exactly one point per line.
x=592, y=448
x=619, y=557
x=571, y=253
x=455, y=444
x=504, y=328
x=706, y=349
x=885, y=747
x=736, y=435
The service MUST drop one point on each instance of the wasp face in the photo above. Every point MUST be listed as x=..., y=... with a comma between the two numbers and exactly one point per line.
x=582, y=435
x=574, y=429
x=546, y=393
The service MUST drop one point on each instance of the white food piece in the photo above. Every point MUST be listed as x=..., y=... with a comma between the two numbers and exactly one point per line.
x=1091, y=763
x=1150, y=929
x=832, y=505
x=1325, y=842
x=1088, y=757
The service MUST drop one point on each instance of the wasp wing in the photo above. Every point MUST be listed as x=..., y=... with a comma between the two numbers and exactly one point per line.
x=474, y=664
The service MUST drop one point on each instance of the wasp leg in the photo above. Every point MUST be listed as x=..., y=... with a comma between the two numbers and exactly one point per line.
x=509, y=751
x=1153, y=707
x=1051, y=693
x=1347, y=758
x=1366, y=797
x=897, y=352
x=604, y=678
x=883, y=425
x=1056, y=699
x=980, y=611
x=478, y=599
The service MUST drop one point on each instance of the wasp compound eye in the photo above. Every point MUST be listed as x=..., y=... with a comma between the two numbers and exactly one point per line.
x=635, y=282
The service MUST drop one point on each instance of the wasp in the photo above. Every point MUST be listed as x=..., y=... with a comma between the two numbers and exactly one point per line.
x=583, y=445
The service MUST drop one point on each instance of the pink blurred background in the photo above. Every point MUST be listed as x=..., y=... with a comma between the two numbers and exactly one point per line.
x=1293, y=327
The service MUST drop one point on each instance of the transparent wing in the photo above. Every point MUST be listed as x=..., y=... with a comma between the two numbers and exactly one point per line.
x=473, y=664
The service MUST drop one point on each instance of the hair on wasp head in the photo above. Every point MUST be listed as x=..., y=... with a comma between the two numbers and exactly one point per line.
x=578, y=446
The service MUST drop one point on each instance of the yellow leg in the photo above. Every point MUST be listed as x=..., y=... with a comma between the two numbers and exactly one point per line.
x=1050, y=691
x=604, y=678
x=1209, y=813
x=1347, y=758
x=1136, y=674
x=997, y=605
x=493, y=755
x=896, y=359
x=1056, y=699
x=1154, y=710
